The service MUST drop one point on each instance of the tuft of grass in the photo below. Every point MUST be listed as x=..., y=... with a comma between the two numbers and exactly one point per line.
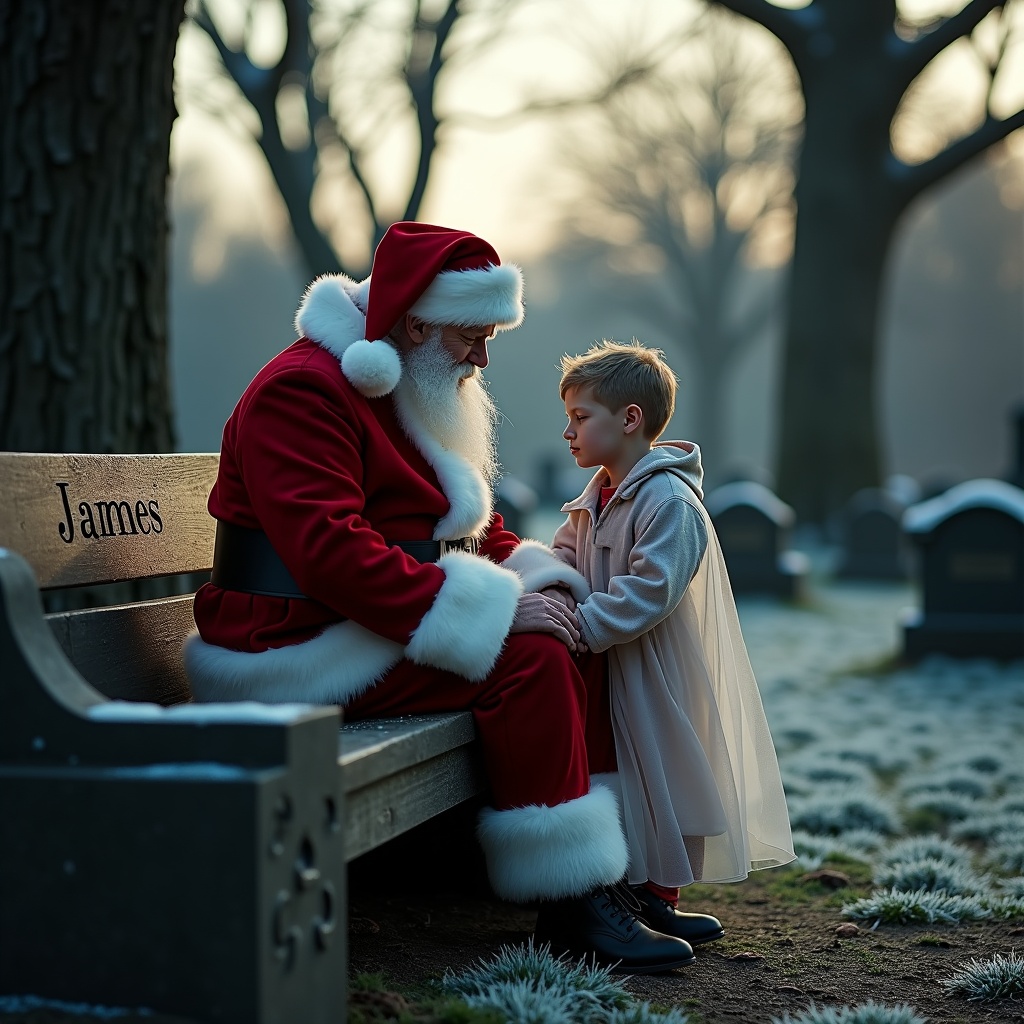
x=927, y=847
x=1013, y=887
x=988, y=826
x=963, y=783
x=1007, y=853
x=527, y=983
x=1001, y=977
x=892, y=906
x=866, y=1013
x=832, y=811
x=943, y=805
x=932, y=875
x=1006, y=908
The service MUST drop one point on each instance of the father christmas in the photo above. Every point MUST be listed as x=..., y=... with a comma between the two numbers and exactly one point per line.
x=360, y=562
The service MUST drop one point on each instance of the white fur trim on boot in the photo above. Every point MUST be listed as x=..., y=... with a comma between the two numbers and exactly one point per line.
x=466, y=626
x=540, y=852
x=539, y=567
x=373, y=367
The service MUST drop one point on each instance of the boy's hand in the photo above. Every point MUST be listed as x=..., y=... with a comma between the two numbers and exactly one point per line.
x=561, y=595
x=539, y=613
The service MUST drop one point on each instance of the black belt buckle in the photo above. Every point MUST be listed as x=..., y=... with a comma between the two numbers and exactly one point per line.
x=468, y=544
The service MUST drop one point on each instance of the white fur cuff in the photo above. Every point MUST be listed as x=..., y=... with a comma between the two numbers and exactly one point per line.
x=466, y=628
x=539, y=567
x=554, y=852
x=332, y=668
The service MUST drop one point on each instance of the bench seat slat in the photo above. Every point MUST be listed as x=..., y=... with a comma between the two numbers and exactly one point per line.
x=387, y=808
x=130, y=651
x=370, y=750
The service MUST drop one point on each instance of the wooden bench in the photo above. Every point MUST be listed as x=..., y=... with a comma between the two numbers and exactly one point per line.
x=190, y=858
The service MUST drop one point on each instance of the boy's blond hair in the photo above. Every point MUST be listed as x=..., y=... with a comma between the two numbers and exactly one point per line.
x=619, y=375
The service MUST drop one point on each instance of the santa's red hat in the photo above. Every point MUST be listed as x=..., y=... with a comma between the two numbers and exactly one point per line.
x=439, y=274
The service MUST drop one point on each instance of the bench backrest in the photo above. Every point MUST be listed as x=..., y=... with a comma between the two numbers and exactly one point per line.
x=83, y=520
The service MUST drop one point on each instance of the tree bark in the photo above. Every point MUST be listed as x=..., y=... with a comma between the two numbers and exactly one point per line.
x=828, y=435
x=84, y=157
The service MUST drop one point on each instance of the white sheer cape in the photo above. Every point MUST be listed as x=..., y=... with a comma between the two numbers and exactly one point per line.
x=695, y=755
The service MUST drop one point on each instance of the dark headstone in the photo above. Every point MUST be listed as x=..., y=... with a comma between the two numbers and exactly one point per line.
x=971, y=543
x=1016, y=474
x=872, y=537
x=753, y=528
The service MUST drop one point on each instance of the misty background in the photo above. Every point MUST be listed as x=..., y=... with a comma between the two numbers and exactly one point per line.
x=952, y=366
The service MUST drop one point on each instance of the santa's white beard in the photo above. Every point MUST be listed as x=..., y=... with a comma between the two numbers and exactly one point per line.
x=452, y=403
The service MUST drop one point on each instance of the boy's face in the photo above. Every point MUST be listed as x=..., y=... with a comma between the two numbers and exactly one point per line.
x=596, y=435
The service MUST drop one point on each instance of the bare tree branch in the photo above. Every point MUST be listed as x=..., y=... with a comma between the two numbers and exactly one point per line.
x=914, y=56
x=910, y=180
x=422, y=82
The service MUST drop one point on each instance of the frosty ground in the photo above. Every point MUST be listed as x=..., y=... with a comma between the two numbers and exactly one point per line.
x=906, y=792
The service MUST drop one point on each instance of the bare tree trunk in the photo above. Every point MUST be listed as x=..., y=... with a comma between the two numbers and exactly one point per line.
x=829, y=440
x=87, y=111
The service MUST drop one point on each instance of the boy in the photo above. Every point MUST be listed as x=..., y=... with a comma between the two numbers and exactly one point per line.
x=701, y=795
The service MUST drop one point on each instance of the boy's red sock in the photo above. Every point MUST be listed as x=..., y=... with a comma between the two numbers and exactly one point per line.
x=670, y=894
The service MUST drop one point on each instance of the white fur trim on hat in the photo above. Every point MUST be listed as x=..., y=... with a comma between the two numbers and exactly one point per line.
x=472, y=298
x=330, y=314
x=539, y=567
x=469, y=620
x=540, y=852
x=332, y=668
x=373, y=367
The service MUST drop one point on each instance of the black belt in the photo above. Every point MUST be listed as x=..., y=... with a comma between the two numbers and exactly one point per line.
x=245, y=560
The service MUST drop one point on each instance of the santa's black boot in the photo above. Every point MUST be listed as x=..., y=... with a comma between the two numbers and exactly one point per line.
x=602, y=925
x=662, y=916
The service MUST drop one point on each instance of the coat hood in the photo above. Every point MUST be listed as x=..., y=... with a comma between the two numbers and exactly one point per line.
x=682, y=458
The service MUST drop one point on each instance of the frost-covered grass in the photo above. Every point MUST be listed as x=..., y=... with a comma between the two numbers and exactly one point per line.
x=927, y=758
x=932, y=875
x=894, y=906
x=832, y=810
x=987, y=824
x=930, y=847
x=527, y=984
x=856, y=844
x=1001, y=977
x=866, y=1013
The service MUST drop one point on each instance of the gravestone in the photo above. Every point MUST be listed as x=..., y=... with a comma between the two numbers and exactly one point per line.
x=753, y=527
x=1016, y=474
x=971, y=546
x=873, y=545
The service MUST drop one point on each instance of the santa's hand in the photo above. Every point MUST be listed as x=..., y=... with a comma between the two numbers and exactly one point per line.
x=538, y=613
x=562, y=595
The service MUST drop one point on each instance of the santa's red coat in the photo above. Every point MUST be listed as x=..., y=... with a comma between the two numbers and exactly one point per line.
x=335, y=479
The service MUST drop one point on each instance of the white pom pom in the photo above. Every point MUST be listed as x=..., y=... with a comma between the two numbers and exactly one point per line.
x=372, y=366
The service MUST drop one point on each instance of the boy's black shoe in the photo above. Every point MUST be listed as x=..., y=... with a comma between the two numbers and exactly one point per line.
x=602, y=924
x=660, y=916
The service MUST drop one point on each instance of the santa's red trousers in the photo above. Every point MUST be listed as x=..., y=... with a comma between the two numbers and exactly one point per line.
x=542, y=715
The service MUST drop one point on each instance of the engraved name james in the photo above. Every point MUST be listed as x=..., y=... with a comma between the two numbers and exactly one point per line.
x=99, y=519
